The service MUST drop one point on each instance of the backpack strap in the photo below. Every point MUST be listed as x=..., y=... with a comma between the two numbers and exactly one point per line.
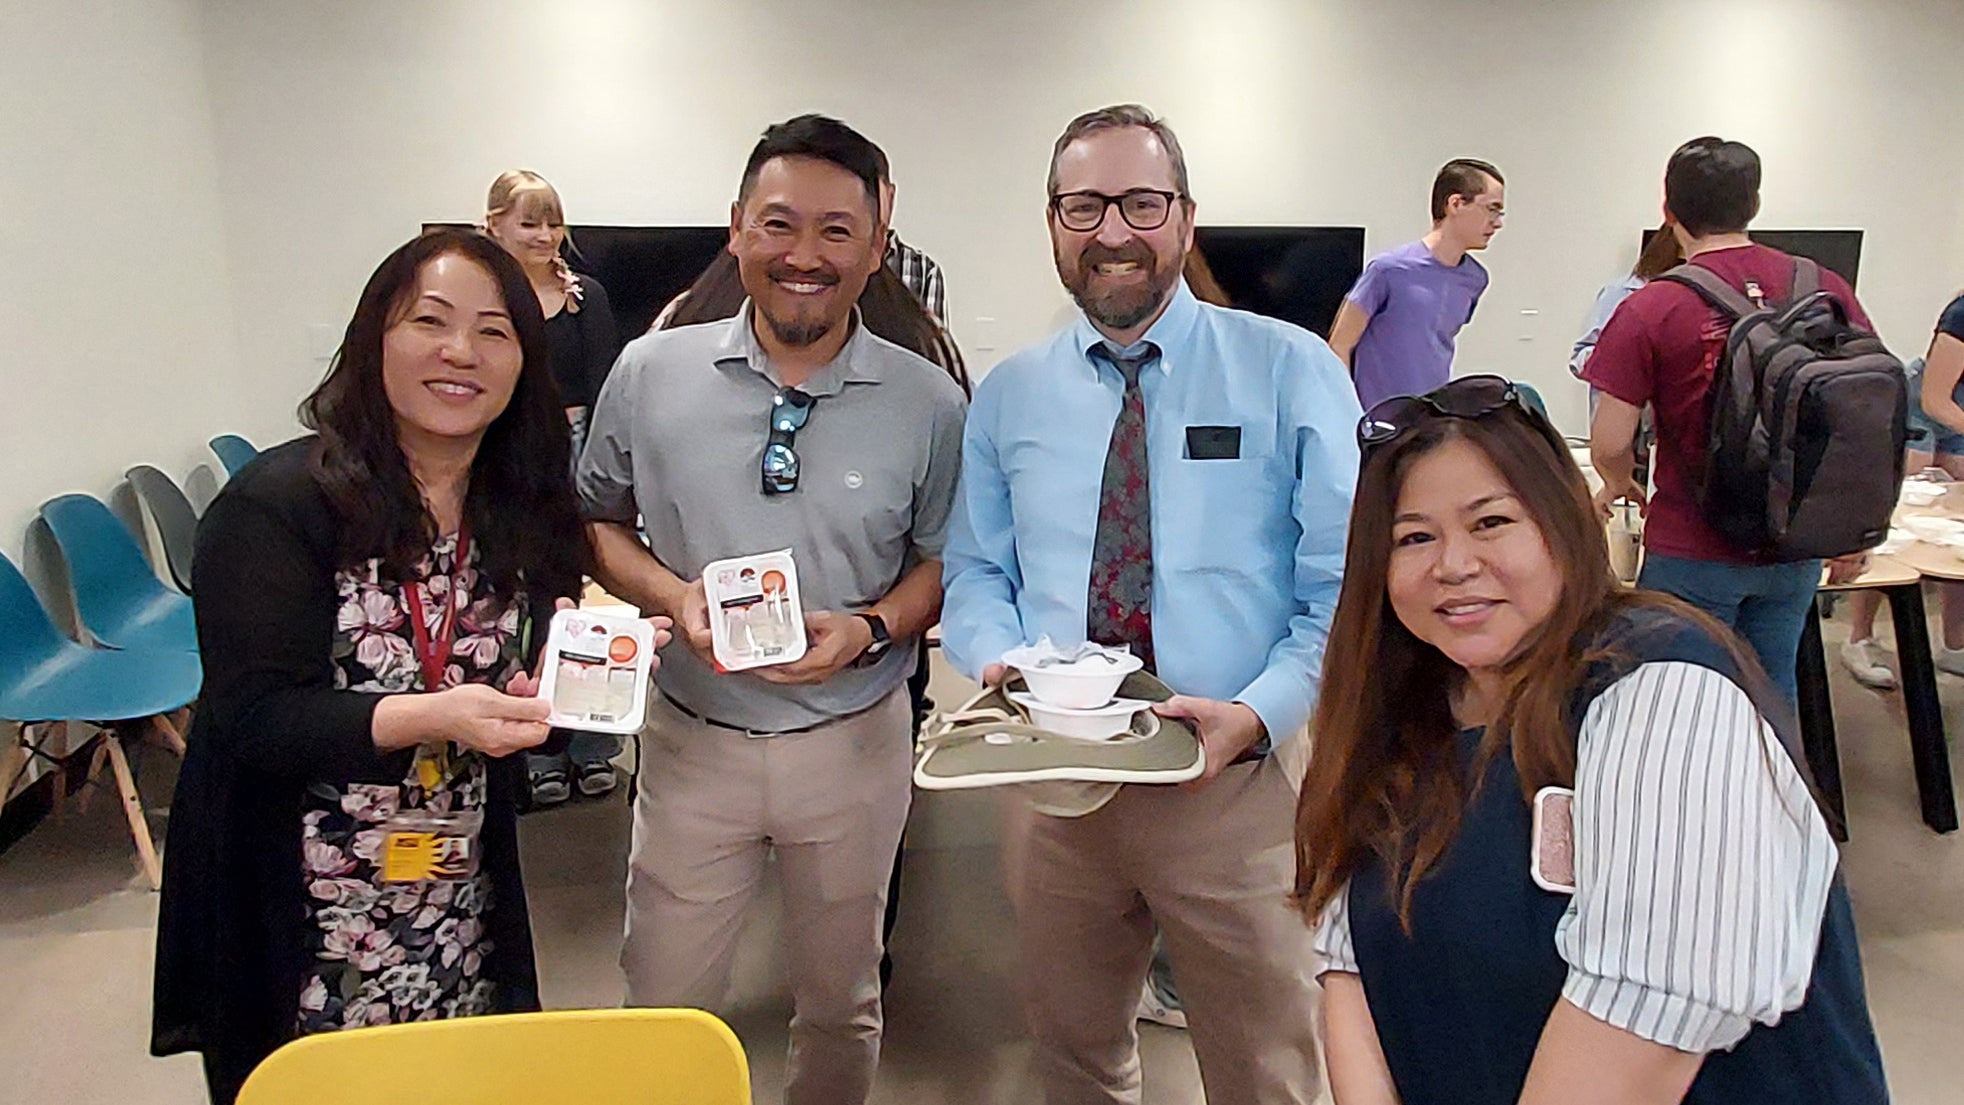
x=1712, y=289
x=1807, y=279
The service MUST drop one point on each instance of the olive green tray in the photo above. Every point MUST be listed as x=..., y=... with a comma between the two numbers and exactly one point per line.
x=989, y=742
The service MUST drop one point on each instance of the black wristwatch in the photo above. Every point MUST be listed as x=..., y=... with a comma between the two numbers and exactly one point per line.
x=882, y=640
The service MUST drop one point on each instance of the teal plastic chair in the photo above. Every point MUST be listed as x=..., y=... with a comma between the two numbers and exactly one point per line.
x=234, y=452
x=177, y=522
x=122, y=602
x=46, y=677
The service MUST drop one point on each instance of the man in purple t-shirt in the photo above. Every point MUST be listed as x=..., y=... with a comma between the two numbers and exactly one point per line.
x=1397, y=326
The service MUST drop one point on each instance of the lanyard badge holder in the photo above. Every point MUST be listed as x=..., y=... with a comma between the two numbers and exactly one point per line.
x=425, y=845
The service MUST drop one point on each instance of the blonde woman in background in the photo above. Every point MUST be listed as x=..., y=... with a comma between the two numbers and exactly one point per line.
x=523, y=214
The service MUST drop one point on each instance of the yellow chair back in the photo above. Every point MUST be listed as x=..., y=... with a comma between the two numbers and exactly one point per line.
x=572, y=1057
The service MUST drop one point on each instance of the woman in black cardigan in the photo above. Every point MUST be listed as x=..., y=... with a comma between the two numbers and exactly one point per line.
x=368, y=601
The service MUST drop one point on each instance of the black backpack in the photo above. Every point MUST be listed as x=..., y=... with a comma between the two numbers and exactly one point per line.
x=1809, y=419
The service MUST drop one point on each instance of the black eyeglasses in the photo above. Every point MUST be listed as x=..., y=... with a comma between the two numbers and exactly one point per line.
x=790, y=408
x=1469, y=397
x=1141, y=208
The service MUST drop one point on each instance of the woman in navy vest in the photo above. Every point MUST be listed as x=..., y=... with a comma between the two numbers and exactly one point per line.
x=1675, y=930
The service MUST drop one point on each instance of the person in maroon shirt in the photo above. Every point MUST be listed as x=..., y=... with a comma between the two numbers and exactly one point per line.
x=1662, y=348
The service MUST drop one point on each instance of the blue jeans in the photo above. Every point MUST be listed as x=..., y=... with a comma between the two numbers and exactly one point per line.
x=1765, y=604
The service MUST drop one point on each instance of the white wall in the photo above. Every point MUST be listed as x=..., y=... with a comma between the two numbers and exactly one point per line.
x=341, y=127
x=212, y=244
x=115, y=299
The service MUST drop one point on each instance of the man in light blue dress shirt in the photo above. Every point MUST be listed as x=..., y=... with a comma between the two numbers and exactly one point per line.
x=1249, y=461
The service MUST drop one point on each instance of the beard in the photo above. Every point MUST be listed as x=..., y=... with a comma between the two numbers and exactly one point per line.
x=1118, y=308
x=804, y=327
x=796, y=332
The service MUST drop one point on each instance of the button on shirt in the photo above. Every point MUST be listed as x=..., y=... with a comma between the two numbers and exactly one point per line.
x=1247, y=537
x=678, y=435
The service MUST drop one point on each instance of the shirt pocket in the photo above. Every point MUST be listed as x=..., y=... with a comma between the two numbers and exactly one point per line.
x=1222, y=516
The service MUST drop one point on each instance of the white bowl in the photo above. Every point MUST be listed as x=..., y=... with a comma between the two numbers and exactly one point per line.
x=1080, y=684
x=1098, y=724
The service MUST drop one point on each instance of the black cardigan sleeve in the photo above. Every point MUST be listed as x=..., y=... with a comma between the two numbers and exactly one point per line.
x=601, y=339
x=263, y=577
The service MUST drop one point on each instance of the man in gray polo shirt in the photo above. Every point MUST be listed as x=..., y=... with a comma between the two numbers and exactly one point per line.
x=812, y=759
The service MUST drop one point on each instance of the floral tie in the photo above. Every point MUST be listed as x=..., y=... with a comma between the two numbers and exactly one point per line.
x=1119, y=610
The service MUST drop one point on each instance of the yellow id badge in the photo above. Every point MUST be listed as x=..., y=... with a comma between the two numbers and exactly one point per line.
x=409, y=857
x=431, y=847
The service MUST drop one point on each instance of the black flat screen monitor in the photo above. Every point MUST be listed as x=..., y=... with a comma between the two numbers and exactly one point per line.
x=642, y=267
x=1295, y=273
x=1837, y=250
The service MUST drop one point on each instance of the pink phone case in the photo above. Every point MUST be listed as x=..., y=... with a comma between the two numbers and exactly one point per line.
x=1552, y=859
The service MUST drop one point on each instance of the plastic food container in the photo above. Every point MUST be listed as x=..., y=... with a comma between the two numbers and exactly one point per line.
x=755, y=617
x=596, y=671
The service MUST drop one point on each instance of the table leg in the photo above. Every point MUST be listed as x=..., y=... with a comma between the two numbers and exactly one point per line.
x=1817, y=722
x=1926, y=716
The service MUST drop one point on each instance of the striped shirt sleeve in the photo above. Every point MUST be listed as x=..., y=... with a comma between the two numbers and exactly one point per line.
x=1332, y=939
x=1701, y=862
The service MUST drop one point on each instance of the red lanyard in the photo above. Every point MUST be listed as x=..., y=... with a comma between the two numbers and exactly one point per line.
x=435, y=654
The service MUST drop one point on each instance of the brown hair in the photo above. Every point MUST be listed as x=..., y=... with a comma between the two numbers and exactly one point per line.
x=1385, y=778
x=1464, y=177
x=1114, y=118
x=1200, y=279
x=1660, y=255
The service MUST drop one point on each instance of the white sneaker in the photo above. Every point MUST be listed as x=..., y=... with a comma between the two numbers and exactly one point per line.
x=1153, y=1008
x=1863, y=659
x=1950, y=659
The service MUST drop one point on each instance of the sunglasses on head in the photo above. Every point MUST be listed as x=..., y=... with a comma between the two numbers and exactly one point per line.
x=1469, y=397
x=790, y=408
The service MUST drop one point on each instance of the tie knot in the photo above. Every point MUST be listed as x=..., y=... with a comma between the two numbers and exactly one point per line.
x=1127, y=366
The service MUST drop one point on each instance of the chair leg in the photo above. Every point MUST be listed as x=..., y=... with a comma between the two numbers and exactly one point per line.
x=58, y=731
x=146, y=849
x=168, y=729
x=15, y=763
x=95, y=772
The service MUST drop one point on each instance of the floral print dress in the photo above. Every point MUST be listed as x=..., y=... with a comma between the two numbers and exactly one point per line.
x=388, y=953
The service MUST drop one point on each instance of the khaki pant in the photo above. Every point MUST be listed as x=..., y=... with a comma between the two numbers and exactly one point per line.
x=1212, y=868
x=712, y=804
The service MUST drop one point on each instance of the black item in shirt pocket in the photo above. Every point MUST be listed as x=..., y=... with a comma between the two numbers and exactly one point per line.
x=1213, y=442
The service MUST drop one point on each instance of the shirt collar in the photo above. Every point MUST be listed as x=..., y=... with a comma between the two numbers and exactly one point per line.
x=1170, y=332
x=853, y=365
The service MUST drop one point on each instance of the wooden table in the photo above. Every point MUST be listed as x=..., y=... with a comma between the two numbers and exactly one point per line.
x=1899, y=578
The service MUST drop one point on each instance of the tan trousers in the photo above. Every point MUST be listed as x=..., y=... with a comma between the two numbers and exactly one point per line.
x=1212, y=867
x=712, y=804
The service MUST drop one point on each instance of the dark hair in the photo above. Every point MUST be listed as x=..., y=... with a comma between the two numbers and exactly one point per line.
x=1386, y=779
x=821, y=138
x=520, y=504
x=888, y=307
x=1114, y=118
x=1464, y=177
x=1711, y=186
x=1660, y=255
